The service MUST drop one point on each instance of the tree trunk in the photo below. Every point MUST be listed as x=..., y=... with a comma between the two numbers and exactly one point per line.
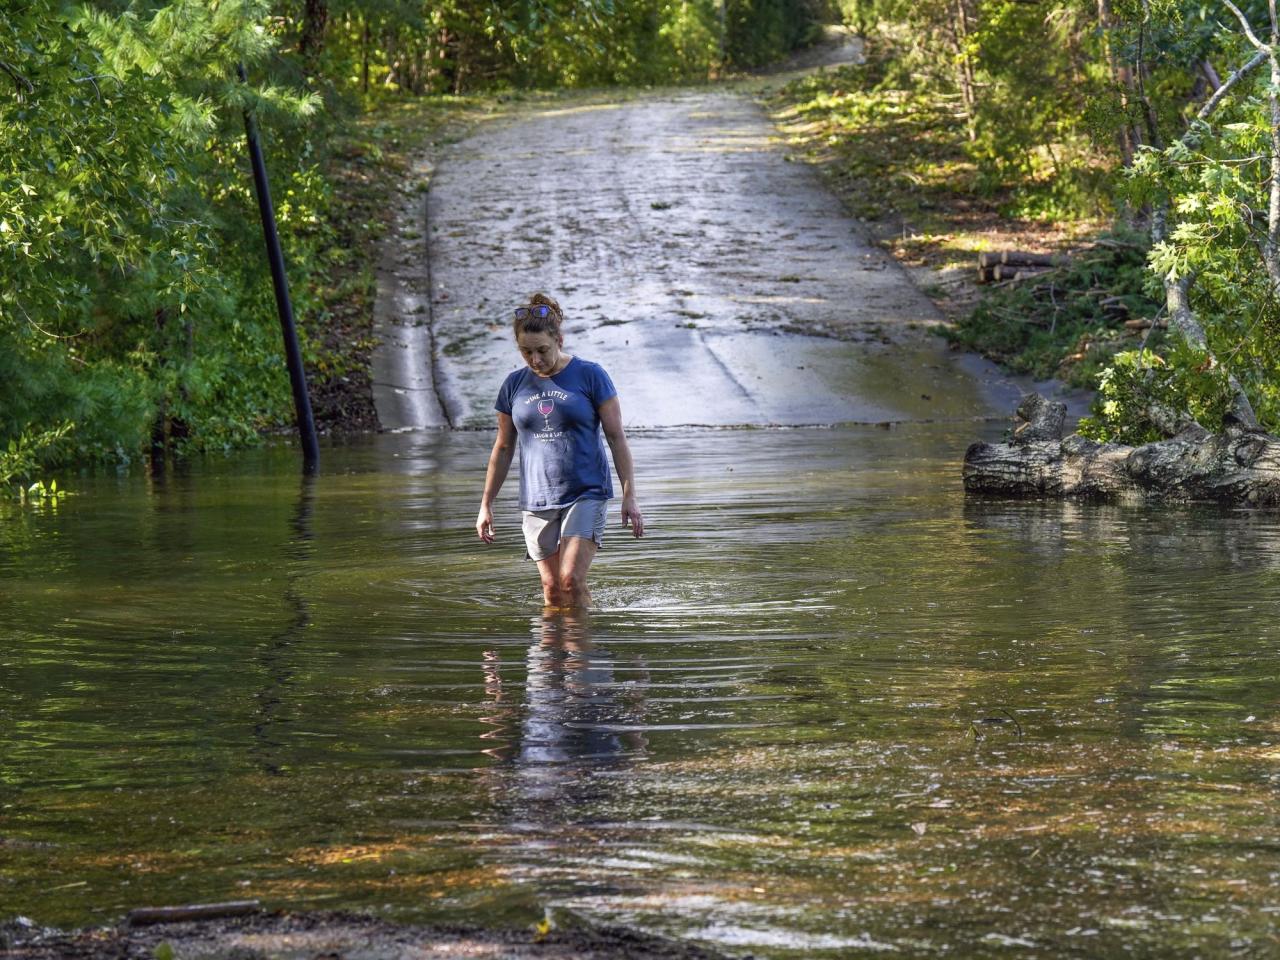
x=364, y=56
x=1121, y=77
x=1238, y=466
x=1142, y=74
x=315, y=18
x=391, y=51
x=964, y=65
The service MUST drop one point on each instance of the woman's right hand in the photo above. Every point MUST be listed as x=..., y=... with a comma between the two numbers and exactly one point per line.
x=484, y=523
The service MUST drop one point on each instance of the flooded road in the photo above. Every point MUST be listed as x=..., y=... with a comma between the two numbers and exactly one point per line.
x=692, y=258
x=828, y=707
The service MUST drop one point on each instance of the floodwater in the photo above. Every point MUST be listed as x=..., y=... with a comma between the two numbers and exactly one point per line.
x=829, y=707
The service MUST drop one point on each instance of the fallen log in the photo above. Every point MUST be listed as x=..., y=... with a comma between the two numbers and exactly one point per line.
x=1240, y=465
x=1020, y=258
x=1142, y=323
x=1007, y=271
x=192, y=911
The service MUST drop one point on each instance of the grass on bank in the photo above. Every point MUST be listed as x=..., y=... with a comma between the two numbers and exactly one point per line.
x=897, y=154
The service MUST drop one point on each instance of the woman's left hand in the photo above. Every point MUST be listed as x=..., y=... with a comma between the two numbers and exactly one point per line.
x=631, y=517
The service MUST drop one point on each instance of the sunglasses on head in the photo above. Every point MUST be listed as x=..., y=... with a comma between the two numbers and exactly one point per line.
x=539, y=310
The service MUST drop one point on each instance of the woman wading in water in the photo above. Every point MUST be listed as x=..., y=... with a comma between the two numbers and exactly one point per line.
x=554, y=409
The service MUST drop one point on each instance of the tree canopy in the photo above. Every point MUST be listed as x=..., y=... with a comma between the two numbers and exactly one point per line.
x=1160, y=111
x=134, y=306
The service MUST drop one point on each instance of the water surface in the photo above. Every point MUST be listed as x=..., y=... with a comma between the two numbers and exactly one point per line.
x=829, y=706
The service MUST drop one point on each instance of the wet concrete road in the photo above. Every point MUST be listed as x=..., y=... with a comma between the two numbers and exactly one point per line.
x=718, y=281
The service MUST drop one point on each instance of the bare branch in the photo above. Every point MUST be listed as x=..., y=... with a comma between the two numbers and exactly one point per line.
x=1220, y=94
x=1183, y=320
x=1244, y=22
x=1160, y=221
x=1210, y=75
x=94, y=78
x=18, y=78
x=49, y=333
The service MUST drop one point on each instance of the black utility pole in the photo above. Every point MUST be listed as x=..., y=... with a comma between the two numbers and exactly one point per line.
x=292, y=352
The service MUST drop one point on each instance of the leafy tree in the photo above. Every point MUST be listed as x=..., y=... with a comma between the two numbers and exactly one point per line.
x=120, y=303
x=134, y=303
x=1213, y=193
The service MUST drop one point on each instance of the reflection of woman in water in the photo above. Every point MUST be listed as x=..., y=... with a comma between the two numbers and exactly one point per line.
x=573, y=707
x=576, y=717
x=555, y=409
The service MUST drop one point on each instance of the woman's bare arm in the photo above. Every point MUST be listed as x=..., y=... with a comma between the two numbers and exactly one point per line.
x=611, y=421
x=504, y=448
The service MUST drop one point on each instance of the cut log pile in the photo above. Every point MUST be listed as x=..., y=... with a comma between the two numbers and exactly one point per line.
x=1009, y=265
x=1240, y=465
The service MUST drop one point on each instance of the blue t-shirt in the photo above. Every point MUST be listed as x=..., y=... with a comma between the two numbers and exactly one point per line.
x=562, y=458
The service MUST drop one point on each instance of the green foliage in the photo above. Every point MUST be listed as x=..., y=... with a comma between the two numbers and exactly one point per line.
x=129, y=299
x=1214, y=180
x=457, y=46
x=1018, y=77
x=1070, y=321
x=760, y=31
x=22, y=455
x=42, y=493
x=134, y=299
x=1053, y=101
x=894, y=148
x=1138, y=383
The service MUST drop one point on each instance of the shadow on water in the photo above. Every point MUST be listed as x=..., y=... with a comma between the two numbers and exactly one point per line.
x=273, y=661
x=783, y=731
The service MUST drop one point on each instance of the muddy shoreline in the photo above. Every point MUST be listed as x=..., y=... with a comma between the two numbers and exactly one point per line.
x=335, y=936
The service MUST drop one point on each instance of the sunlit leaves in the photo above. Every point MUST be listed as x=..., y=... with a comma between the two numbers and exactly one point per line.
x=116, y=265
x=134, y=297
x=1139, y=382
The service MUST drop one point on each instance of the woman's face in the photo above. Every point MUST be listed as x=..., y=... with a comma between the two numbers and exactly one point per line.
x=541, y=351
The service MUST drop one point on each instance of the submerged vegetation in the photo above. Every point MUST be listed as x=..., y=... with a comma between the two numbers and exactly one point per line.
x=136, y=315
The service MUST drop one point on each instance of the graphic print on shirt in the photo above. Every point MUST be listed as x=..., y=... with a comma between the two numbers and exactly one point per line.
x=562, y=452
x=546, y=406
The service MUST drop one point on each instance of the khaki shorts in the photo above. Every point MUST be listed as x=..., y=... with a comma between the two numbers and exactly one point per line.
x=544, y=529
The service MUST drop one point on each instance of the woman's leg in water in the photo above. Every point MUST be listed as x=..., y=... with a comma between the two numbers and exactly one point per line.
x=576, y=554
x=549, y=571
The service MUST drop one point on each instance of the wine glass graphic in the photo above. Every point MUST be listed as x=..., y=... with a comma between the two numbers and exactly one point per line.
x=545, y=407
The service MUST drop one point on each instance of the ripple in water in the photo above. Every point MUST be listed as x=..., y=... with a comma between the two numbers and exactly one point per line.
x=783, y=729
